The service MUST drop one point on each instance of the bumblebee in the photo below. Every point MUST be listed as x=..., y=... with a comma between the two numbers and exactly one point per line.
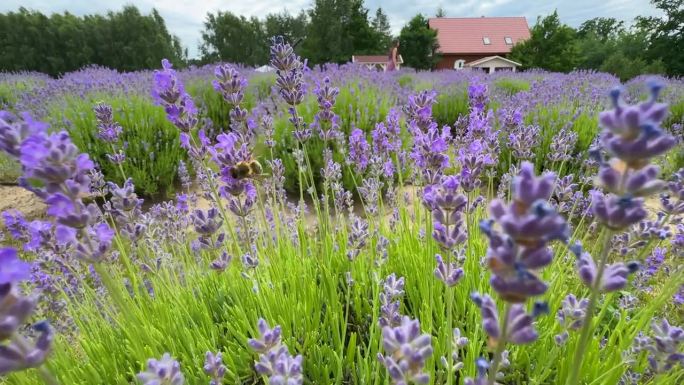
x=246, y=169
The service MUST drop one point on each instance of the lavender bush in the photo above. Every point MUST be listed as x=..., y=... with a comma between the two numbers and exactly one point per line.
x=445, y=228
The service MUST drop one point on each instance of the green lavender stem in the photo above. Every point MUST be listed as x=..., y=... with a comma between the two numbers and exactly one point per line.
x=500, y=345
x=573, y=379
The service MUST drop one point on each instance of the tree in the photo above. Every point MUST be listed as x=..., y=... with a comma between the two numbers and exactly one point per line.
x=124, y=40
x=666, y=35
x=381, y=27
x=603, y=28
x=440, y=12
x=597, y=39
x=552, y=46
x=626, y=68
x=232, y=38
x=283, y=24
x=337, y=30
x=419, y=44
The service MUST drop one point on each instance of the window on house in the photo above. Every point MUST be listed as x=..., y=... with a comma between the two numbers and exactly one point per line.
x=459, y=64
x=508, y=40
x=486, y=41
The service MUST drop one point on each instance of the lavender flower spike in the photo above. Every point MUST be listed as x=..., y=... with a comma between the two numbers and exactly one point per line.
x=632, y=133
x=519, y=326
x=448, y=273
x=406, y=352
x=529, y=223
x=169, y=93
x=614, y=275
x=482, y=366
x=268, y=339
x=213, y=367
x=17, y=356
x=390, y=301
x=162, y=372
x=12, y=269
x=570, y=316
x=275, y=360
x=665, y=347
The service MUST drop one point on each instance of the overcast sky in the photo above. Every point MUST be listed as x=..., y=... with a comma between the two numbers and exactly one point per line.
x=184, y=17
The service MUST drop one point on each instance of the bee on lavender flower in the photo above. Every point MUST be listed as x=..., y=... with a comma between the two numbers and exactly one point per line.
x=247, y=169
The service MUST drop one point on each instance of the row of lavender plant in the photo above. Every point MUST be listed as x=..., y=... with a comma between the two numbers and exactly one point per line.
x=123, y=283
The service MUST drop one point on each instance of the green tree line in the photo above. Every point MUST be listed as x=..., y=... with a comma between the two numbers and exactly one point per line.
x=331, y=31
x=126, y=40
x=650, y=45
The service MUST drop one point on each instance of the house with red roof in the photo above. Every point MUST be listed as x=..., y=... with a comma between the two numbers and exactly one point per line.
x=478, y=42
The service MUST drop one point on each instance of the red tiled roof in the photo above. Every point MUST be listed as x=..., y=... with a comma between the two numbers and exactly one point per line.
x=465, y=35
x=373, y=59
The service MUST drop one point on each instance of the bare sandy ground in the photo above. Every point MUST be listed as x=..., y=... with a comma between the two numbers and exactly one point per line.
x=18, y=198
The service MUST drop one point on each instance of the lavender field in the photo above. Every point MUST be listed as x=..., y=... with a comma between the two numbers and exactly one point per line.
x=342, y=226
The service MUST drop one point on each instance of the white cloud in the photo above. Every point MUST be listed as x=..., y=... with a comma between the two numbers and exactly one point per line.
x=185, y=17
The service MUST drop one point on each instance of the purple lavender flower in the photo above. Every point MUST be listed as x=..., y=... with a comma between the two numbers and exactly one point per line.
x=281, y=367
x=458, y=342
x=390, y=301
x=664, y=347
x=242, y=207
x=169, y=92
x=358, y=235
x=449, y=273
x=12, y=269
x=108, y=129
x=419, y=108
x=289, y=81
x=386, y=135
x=570, y=316
x=20, y=354
x=478, y=95
x=406, y=352
x=326, y=122
x=678, y=297
x=520, y=329
x=207, y=224
x=522, y=141
x=40, y=234
x=446, y=205
x=677, y=241
x=184, y=176
x=358, y=150
x=16, y=224
x=632, y=133
x=221, y=263
x=654, y=261
x=162, y=372
x=482, y=366
x=614, y=276
x=213, y=367
x=528, y=224
x=249, y=262
x=268, y=338
x=562, y=145
x=275, y=360
x=14, y=130
x=673, y=200
x=126, y=209
x=429, y=151
x=229, y=84
x=56, y=171
x=473, y=158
